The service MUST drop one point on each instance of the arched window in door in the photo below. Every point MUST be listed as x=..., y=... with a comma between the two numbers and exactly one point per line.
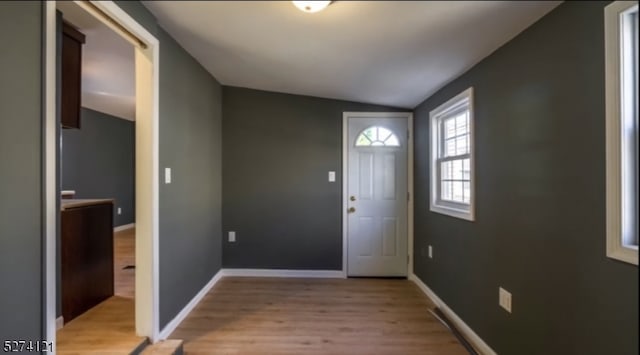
x=376, y=136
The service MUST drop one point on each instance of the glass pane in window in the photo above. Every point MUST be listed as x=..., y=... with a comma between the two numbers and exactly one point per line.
x=445, y=191
x=450, y=147
x=446, y=172
x=456, y=180
x=461, y=145
x=466, y=191
x=457, y=169
x=462, y=124
x=457, y=190
x=466, y=169
x=363, y=140
x=377, y=137
x=449, y=128
x=383, y=133
x=392, y=141
x=372, y=133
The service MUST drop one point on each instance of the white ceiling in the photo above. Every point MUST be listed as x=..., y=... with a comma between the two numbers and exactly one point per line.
x=386, y=52
x=108, y=65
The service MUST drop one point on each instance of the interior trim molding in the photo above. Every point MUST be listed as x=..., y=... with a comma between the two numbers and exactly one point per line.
x=175, y=322
x=473, y=338
x=331, y=274
x=124, y=227
x=59, y=322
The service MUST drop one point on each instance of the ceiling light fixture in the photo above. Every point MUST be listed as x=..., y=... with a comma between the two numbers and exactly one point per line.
x=311, y=6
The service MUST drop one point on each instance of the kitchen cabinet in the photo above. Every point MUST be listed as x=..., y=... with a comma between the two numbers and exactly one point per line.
x=71, y=76
x=86, y=259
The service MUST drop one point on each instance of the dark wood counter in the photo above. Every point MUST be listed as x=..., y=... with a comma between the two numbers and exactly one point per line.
x=86, y=255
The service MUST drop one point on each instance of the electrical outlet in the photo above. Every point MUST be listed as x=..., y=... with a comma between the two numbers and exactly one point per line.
x=332, y=176
x=430, y=252
x=232, y=237
x=504, y=299
x=119, y=210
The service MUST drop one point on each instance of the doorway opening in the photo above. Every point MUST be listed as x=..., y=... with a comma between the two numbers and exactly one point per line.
x=377, y=194
x=88, y=211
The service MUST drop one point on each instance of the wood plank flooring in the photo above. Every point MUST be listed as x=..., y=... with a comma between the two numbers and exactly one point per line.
x=124, y=250
x=315, y=316
x=108, y=328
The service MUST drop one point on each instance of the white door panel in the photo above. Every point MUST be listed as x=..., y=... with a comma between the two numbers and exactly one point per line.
x=377, y=197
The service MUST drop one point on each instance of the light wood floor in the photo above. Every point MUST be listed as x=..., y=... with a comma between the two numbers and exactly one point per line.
x=124, y=250
x=315, y=316
x=108, y=328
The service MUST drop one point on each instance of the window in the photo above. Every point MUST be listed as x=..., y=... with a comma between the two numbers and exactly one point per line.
x=621, y=65
x=452, y=188
x=377, y=137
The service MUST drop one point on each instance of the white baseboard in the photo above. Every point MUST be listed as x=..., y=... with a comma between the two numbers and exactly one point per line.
x=329, y=274
x=171, y=326
x=59, y=323
x=473, y=338
x=124, y=227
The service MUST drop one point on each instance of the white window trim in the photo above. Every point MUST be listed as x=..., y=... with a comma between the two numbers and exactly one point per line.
x=614, y=110
x=462, y=211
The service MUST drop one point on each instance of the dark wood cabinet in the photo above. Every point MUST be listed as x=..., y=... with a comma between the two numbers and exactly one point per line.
x=86, y=257
x=71, y=78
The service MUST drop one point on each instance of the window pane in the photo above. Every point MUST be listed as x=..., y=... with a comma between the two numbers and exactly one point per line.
x=457, y=191
x=462, y=124
x=461, y=145
x=449, y=128
x=363, y=140
x=446, y=170
x=466, y=169
x=392, y=141
x=466, y=186
x=456, y=181
x=450, y=147
x=383, y=133
x=445, y=191
x=377, y=137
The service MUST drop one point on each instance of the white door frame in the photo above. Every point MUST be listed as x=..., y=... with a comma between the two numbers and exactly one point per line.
x=408, y=116
x=147, y=171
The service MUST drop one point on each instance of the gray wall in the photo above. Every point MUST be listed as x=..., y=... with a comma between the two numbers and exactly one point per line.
x=190, y=144
x=277, y=152
x=190, y=207
x=21, y=244
x=540, y=209
x=190, y=141
x=98, y=161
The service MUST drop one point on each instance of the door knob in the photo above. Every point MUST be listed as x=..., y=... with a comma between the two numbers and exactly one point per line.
x=351, y=209
x=352, y=198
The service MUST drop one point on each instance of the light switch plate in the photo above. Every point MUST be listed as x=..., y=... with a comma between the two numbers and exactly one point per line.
x=167, y=175
x=430, y=252
x=232, y=237
x=119, y=210
x=332, y=176
x=504, y=299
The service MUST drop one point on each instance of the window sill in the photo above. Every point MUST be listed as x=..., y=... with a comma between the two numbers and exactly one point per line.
x=454, y=212
x=622, y=253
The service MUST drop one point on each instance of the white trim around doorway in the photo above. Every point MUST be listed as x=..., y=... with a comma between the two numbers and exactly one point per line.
x=147, y=171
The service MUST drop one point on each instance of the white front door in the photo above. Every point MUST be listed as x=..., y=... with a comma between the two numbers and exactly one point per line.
x=377, y=195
